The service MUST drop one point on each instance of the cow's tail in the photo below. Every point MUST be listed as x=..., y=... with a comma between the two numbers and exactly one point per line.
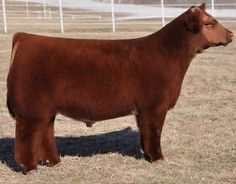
x=10, y=110
x=13, y=52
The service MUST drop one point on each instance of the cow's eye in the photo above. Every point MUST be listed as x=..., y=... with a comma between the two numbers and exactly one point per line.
x=209, y=25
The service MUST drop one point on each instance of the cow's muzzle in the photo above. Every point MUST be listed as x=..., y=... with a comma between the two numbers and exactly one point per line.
x=229, y=38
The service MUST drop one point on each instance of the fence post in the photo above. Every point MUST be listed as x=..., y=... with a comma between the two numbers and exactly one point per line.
x=44, y=9
x=162, y=13
x=27, y=8
x=50, y=13
x=113, y=16
x=61, y=16
x=4, y=16
x=213, y=8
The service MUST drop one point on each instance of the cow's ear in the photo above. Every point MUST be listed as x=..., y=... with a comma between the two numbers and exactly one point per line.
x=202, y=6
x=192, y=20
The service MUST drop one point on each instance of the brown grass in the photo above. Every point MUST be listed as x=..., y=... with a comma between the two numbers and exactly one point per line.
x=199, y=136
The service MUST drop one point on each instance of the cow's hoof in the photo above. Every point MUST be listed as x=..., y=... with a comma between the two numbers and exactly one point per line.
x=28, y=169
x=32, y=172
x=159, y=161
x=156, y=160
x=55, y=163
x=146, y=157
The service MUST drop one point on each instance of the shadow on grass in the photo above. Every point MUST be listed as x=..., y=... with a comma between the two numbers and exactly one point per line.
x=124, y=142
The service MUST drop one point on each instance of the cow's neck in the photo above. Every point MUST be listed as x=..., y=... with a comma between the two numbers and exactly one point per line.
x=177, y=43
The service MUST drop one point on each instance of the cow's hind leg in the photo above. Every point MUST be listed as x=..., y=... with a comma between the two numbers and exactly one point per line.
x=48, y=150
x=28, y=139
x=150, y=125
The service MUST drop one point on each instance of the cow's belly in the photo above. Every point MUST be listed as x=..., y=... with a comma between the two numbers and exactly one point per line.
x=92, y=112
x=95, y=103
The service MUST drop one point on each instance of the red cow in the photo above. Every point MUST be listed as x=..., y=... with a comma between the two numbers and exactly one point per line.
x=93, y=80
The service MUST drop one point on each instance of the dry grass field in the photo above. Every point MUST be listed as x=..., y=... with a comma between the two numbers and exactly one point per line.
x=199, y=136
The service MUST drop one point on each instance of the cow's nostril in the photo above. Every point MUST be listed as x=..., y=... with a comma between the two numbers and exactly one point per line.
x=231, y=35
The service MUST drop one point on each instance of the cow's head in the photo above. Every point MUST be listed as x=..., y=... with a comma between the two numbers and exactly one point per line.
x=209, y=30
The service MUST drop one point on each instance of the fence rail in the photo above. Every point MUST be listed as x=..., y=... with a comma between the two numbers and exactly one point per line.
x=22, y=14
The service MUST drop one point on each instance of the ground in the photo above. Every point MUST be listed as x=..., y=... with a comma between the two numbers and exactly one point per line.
x=198, y=140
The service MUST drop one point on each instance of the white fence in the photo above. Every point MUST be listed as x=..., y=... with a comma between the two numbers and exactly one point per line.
x=62, y=15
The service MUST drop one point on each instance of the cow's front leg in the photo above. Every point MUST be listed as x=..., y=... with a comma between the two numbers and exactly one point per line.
x=28, y=139
x=150, y=125
x=48, y=151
